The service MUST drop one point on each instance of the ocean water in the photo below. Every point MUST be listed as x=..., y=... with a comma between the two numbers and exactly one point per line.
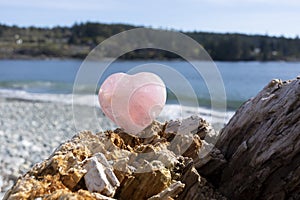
x=53, y=80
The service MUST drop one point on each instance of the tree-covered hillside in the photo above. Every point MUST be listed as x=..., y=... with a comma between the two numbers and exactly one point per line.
x=78, y=40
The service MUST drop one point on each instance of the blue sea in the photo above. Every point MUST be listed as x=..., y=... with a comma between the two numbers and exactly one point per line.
x=52, y=79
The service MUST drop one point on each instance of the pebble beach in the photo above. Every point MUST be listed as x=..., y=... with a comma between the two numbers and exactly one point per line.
x=31, y=130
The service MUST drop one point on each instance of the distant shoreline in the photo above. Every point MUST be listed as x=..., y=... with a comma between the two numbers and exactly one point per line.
x=136, y=59
x=77, y=41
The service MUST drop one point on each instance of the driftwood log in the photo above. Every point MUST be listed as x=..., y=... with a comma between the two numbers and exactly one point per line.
x=257, y=155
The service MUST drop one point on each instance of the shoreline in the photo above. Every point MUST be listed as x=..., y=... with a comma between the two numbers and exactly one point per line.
x=28, y=57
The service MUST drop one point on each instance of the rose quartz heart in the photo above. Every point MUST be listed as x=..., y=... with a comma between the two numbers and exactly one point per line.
x=132, y=101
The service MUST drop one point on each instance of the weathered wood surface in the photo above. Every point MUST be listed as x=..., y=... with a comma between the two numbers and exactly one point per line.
x=257, y=155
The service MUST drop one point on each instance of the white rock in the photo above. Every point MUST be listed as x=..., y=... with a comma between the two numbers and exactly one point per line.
x=1, y=182
x=112, y=177
x=102, y=159
x=99, y=178
x=109, y=170
x=170, y=192
x=101, y=197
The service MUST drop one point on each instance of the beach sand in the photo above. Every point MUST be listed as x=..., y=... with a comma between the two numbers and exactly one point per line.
x=31, y=130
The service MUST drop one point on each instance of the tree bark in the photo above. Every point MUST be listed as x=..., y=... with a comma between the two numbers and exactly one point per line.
x=257, y=155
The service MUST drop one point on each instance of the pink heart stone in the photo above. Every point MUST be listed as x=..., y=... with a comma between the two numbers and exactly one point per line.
x=132, y=101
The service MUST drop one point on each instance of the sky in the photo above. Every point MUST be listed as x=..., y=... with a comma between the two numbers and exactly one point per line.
x=271, y=17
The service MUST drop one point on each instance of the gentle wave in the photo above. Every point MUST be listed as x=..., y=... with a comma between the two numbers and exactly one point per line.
x=170, y=111
x=38, y=86
x=27, y=96
x=49, y=87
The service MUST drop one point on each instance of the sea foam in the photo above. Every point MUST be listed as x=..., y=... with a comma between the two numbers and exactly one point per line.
x=170, y=111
